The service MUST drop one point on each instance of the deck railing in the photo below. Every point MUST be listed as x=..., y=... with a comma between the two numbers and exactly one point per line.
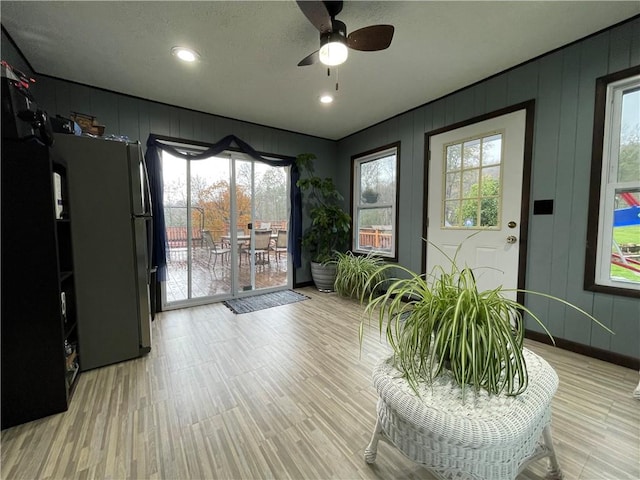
x=375, y=239
x=177, y=236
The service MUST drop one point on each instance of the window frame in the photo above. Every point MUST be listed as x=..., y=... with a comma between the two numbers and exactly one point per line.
x=600, y=166
x=356, y=203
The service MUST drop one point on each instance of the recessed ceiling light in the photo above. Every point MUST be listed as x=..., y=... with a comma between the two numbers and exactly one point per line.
x=326, y=99
x=185, y=54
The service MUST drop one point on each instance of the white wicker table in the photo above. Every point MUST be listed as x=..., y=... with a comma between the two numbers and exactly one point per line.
x=491, y=437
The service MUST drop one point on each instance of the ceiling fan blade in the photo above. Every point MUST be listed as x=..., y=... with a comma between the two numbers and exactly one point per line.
x=317, y=13
x=310, y=59
x=371, y=39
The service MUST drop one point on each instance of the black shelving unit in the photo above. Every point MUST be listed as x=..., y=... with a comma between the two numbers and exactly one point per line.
x=40, y=352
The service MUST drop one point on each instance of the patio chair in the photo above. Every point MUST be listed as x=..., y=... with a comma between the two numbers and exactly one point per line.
x=214, y=250
x=280, y=246
x=261, y=246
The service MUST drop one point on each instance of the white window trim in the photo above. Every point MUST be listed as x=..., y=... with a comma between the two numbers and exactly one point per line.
x=358, y=205
x=609, y=183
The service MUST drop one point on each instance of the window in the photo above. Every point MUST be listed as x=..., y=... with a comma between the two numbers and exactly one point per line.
x=472, y=183
x=375, y=200
x=613, y=246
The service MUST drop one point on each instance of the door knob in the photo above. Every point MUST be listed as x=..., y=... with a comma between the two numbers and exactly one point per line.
x=511, y=239
x=512, y=224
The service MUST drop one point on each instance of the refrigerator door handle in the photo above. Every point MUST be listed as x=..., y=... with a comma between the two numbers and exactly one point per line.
x=146, y=184
x=150, y=266
x=140, y=185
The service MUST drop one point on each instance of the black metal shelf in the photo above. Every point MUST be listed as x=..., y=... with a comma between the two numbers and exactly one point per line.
x=36, y=320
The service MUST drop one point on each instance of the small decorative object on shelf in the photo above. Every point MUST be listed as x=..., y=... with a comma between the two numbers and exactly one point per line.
x=63, y=307
x=71, y=362
x=88, y=123
x=57, y=191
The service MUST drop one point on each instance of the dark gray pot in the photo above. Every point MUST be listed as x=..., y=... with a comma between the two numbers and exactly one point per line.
x=324, y=276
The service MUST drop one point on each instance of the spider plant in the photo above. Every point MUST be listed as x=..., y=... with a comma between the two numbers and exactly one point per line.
x=442, y=322
x=357, y=276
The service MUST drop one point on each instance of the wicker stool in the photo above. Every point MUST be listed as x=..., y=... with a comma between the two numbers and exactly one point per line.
x=485, y=436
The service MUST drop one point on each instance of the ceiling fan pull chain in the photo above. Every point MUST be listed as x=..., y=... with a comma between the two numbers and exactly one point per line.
x=336, y=79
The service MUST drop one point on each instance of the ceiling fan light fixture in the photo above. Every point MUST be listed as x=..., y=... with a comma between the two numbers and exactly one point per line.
x=326, y=98
x=185, y=54
x=333, y=49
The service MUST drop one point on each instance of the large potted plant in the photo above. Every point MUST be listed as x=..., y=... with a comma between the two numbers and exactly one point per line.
x=358, y=276
x=330, y=228
x=441, y=322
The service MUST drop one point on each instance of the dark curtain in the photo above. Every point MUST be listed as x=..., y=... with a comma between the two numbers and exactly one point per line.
x=154, y=171
x=155, y=144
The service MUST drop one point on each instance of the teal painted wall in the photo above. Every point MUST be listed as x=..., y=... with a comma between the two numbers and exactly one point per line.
x=562, y=84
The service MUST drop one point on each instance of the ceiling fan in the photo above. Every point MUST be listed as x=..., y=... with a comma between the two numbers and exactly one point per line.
x=334, y=41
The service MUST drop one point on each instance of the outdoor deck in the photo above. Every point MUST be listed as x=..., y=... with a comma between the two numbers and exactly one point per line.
x=216, y=280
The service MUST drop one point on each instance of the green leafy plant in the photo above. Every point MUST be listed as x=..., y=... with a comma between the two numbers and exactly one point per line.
x=442, y=322
x=358, y=276
x=330, y=228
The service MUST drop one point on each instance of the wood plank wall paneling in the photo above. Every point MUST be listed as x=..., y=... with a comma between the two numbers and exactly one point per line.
x=563, y=87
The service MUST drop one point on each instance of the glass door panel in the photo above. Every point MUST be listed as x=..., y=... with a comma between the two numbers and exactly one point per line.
x=263, y=209
x=175, y=214
x=243, y=171
x=226, y=223
x=210, y=211
x=271, y=214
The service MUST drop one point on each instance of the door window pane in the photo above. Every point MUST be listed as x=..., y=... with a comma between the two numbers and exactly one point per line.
x=492, y=150
x=470, y=183
x=471, y=154
x=452, y=213
x=452, y=186
x=454, y=157
x=473, y=183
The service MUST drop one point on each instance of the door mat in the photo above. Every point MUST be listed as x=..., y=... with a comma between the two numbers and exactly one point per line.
x=266, y=300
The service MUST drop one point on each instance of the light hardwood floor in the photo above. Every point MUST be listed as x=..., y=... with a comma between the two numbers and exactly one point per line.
x=284, y=393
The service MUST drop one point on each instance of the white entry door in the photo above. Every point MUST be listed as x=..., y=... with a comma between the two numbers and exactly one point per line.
x=475, y=186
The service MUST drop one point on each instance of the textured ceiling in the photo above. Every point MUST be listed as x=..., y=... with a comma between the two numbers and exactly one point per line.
x=250, y=51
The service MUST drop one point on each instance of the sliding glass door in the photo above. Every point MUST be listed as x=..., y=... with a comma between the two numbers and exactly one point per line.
x=226, y=218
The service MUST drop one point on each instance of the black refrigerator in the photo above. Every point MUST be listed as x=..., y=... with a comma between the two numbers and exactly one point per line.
x=111, y=234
